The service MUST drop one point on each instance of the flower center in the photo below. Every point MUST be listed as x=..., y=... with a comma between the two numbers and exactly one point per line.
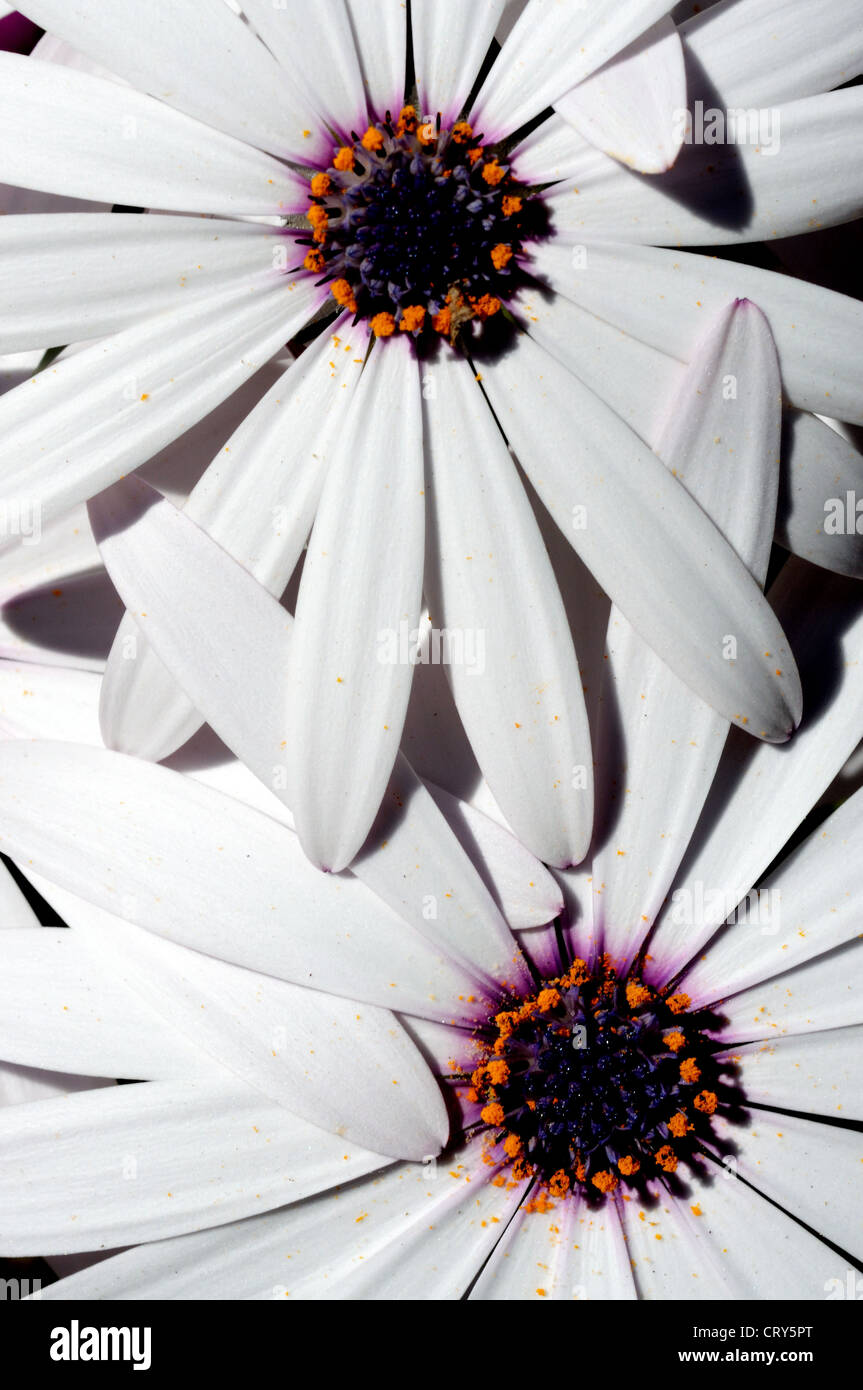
x=595, y=1080
x=418, y=227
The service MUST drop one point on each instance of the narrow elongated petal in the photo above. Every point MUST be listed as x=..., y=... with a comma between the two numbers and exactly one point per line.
x=660, y=557
x=450, y=43
x=193, y=54
x=314, y=45
x=349, y=680
x=804, y=999
x=818, y=515
x=350, y=1069
x=795, y=168
x=659, y=745
x=151, y=552
x=197, y=1153
x=116, y=145
x=760, y=796
x=627, y=108
x=208, y=872
x=664, y=297
x=99, y=274
x=819, y=1074
x=258, y=500
x=490, y=586
x=380, y=34
x=571, y=1253
x=550, y=49
x=73, y=429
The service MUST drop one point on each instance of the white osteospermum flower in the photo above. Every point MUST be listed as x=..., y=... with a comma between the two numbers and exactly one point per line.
x=256, y=1092
x=377, y=452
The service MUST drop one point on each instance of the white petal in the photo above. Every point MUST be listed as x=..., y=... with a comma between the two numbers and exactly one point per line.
x=208, y=872
x=67, y=132
x=550, y=49
x=60, y=1008
x=723, y=1241
x=380, y=34
x=809, y=1168
x=650, y=546
x=525, y=891
x=350, y=1069
x=824, y=992
x=150, y=551
x=761, y=795
x=627, y=107
x=76, y=427
x=47, y=701
x=489, y=583
x=798, y=169
x=788, y=50
x=660, y=745
x=818, y=1074
x=408, y=1233
x=99, y=273
x=193, y=54
x=137, y=1163
x=450, y=43
x=818, y=518
x=258, y=500
x=570, y=1253
x=813, y=906
x=664, y=298
x=315, y=46
x=349, y=681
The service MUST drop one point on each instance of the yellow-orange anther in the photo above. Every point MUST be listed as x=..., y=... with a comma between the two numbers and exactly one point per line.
x=314, y=260
x=317, y=215
x=492, y=1114
x=512, y=1145
x=462, y=132
x=501, y=255
x=486, y=306
x=706, y=1102
x=383, y=325
x=475, y=154
x=343, y=294
x=678, y=1003
x=666, y=1159
x=628, y=1165
x=442, y=322
x=408, y=121
x=373, y=139
x=498, y=1071
x=512, y=204
x=344, y=159
x=675, y=1041
x=321, y=185
x=493, y=173
x=412, y=319
x=678, y=1125
x=636, y=993
x=558, y=1183
x=689, y=1070
x=547, y=999
x=605, y=1181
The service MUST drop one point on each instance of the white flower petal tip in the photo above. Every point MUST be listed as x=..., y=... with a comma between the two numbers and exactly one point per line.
x=630, y=108
x=348, y=680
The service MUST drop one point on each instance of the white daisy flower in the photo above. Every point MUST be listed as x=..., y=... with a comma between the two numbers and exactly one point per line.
x=712, y=1156
x=250, y=121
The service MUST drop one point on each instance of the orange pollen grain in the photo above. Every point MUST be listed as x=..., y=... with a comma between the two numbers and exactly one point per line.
x=501, y=255
x=486, y=306
x=493, y=173
x=512, y=204
x=475, y=155
x=678, y=1125
x=343, y=294
x=498, y=1072
x=383, y=325
x=547, y=999
x=344, y=159
x=317, y=215
x=492, y=1114
x=666, y=1159
x=314, y=261
x=321, y=185
x=373, y=139
x=636, y=994
x=413, y=318
x=628, y=1165
x=558, y=1183
x=689, y=1070
x=706, y=1102
x=675, y=1041
x=408, y=120
x=678, y=1003
x=442, y=322
x=605, y=1181
x=512, y=1145
x=462, y=132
